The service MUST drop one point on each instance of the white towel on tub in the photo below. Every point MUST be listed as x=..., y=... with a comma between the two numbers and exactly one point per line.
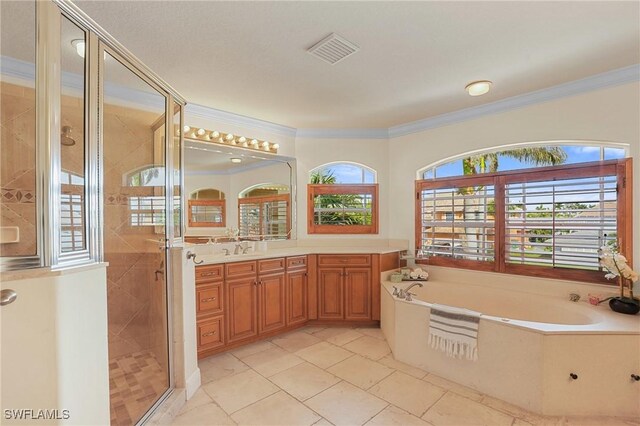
x=454, y=331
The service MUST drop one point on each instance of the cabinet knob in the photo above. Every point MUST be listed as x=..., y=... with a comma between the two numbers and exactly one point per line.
x=211, y=333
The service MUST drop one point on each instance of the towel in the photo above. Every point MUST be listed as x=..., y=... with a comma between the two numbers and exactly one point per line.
x=454, y=331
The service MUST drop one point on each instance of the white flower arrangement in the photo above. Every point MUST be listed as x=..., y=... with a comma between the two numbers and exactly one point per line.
x=616, y=266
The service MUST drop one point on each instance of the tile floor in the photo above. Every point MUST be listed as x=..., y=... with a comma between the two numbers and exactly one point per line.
x=136, y=381
x=341, y=376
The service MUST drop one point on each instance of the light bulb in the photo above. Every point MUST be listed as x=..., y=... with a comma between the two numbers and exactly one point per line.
x=230, y=136
x=215, y=134
x=186, y=128
x=200, y=132
x=275, y=146
x=254, y=142
x=242, y=139
x=265, y=144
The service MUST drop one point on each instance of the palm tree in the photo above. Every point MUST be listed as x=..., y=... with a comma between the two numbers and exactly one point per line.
x=336, y=202
x=489, y=163
x=538, y=156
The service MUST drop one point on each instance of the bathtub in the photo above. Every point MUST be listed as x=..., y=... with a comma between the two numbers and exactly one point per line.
x=528, y=346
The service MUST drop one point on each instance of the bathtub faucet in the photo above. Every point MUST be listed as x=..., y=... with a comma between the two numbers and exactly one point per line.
x=404, y=293
x=574, y=297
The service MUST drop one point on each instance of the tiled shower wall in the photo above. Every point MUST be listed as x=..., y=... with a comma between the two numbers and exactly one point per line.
x=136, y=292
x=17, y=167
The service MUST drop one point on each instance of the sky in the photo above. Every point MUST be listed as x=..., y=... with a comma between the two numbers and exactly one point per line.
x=575, y=154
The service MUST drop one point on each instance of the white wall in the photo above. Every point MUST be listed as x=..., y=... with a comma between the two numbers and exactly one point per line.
x=60, y=360
x=373, y=153
x=610, y=114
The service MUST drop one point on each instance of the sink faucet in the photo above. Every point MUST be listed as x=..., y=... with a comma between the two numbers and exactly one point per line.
x=403, y=293
x=238, y=248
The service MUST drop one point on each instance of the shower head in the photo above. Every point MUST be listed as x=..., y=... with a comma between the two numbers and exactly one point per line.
x=65, y=137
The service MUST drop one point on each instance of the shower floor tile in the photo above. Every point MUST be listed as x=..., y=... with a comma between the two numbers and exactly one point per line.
x=136, y=381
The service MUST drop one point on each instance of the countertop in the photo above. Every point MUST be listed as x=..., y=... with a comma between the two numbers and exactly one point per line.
x=209, y=259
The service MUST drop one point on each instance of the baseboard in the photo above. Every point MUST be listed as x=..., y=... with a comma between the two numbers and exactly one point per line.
x=193, y=383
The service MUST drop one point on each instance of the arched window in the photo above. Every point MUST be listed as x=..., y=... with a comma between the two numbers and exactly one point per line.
x=263, y=211
x=342, y=173
x=523, y=156
x=343, y=199
x=539, y=209
x=207, y=208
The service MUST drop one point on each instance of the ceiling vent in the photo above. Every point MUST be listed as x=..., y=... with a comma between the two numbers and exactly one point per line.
x=333, y=48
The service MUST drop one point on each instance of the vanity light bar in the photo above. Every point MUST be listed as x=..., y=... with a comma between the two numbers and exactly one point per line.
x=229, y=139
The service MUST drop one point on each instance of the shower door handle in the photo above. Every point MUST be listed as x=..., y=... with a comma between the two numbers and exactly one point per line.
x=7, y=296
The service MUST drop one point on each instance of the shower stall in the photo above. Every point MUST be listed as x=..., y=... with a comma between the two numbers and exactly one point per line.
x=91, y=172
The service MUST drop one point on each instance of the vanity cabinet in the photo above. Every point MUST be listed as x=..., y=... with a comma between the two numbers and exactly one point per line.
x=210, y=308
x=271, y=295
x=344, y=287
x=297, y=290
x=241, y=302
x=243, y=308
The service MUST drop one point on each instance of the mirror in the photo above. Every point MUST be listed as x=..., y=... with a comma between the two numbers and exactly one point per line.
x=233, y=191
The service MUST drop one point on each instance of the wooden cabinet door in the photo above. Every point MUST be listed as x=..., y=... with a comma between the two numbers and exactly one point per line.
x=242, y=309
x=330, y=293
x=272, y=302
x=297, y=296
x=357, y=293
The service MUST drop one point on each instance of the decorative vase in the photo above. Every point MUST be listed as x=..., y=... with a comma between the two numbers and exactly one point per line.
x=625, y=305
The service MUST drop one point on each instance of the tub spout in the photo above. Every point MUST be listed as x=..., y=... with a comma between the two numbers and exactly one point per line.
x=403, y=293
x=574, y=297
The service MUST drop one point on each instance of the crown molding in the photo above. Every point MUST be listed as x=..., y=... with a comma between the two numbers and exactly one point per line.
x=343, y=133
x=611, y=78
x=25, y=71
x=208, y=113
x=73, y=83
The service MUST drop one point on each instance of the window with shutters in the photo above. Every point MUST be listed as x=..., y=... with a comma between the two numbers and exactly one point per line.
x=343, y=199
x=545, y=221
x=264, y=217
x=207, y=208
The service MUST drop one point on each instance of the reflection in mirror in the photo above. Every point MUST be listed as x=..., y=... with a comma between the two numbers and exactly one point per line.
x=72, y=146
x=263, y=212
x=207, y=208
x=257, y=190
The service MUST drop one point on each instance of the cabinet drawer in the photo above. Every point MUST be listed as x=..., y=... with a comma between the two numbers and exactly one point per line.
x=209, y=273
x=297, y=262
x=209, y=299
x=271, y=265
x=210, y=333
x=344, y=260
x=239, y=269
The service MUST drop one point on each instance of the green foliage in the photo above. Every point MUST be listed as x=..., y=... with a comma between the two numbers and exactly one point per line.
x=538, y=156
x=334, y=207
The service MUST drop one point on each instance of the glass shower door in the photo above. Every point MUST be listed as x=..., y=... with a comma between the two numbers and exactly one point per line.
x=135, y=234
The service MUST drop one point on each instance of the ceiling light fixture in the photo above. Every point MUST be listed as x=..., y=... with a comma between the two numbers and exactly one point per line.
x=477, y=88
x=79, y=45
x=221, y=138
